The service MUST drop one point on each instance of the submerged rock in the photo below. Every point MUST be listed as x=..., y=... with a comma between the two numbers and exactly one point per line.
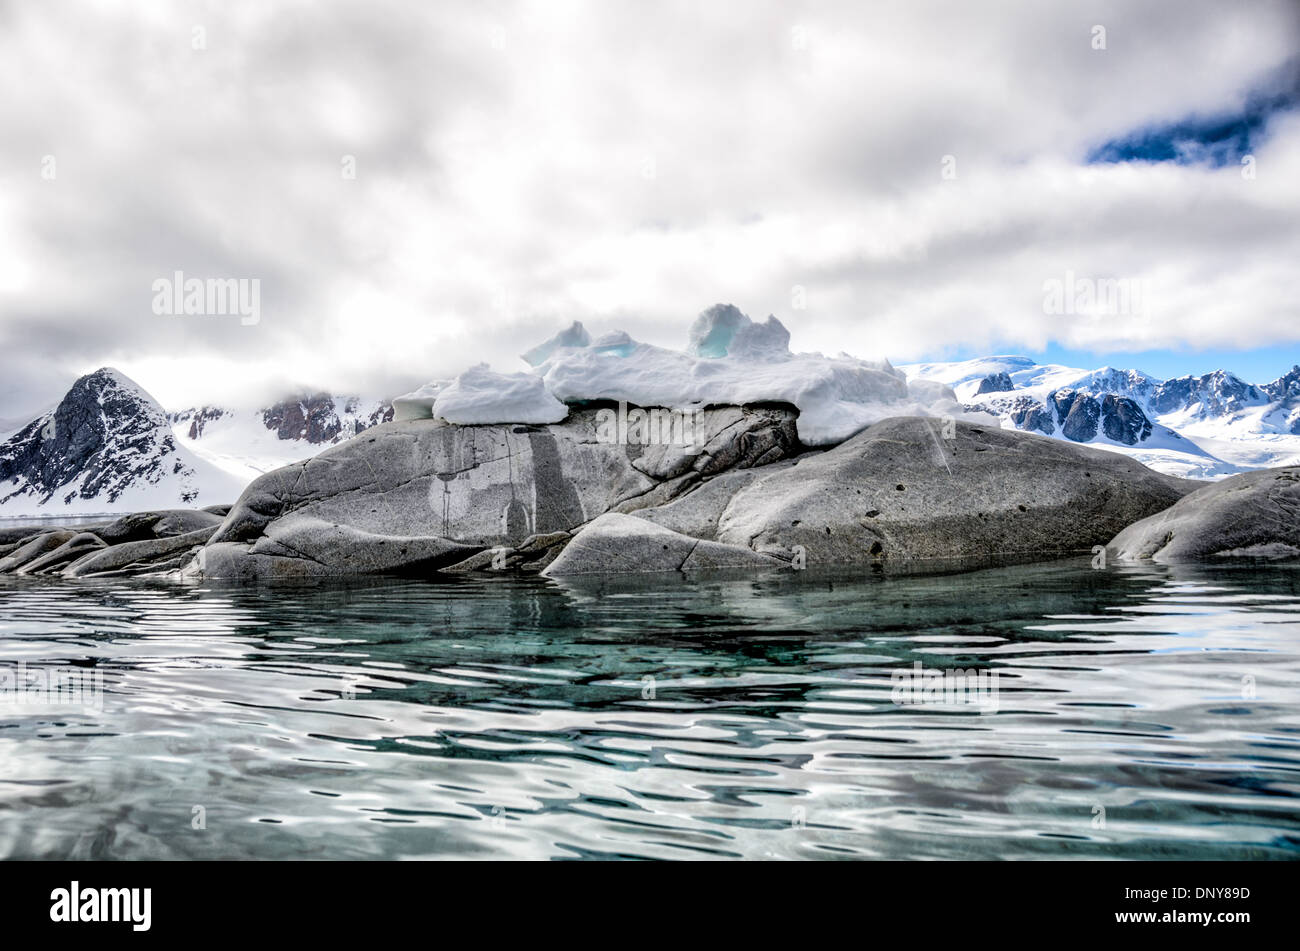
x=1252, y=514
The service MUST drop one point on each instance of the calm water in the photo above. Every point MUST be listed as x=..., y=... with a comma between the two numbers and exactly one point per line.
x=1139, y=713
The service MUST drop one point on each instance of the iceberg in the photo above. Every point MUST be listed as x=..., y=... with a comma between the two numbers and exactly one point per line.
x=574, y=335
x=418, y=404
x=481, y=396
x=730, y=360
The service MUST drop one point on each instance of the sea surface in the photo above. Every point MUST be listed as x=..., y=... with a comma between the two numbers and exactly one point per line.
x=1121, y=713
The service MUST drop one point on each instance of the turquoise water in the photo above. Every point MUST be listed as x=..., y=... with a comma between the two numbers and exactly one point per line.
x=1138, y=713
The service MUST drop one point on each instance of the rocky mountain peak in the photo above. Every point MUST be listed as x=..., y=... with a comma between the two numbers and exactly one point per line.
x=105, y=435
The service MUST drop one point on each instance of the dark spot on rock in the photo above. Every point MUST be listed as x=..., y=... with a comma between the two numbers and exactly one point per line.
x=1022, y=508
x=795, y=522
x=828, y=529
x=873, y=513
x=877, y=548
x=900, y=487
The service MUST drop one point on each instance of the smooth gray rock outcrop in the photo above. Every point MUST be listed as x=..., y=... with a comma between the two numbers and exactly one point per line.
x=151, y=554
x=420, y=495
x=75, y=547
x=12, y=536
x=423, y=496
x=616, y=543
x=139, y=542
x=1252, y=514
x=34, y=548
x=900, y=493
x=164, y=523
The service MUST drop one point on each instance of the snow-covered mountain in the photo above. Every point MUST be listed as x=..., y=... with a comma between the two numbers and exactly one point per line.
x=106, y=447
x=109, y=447
x=248, y=442
x=1206, y=426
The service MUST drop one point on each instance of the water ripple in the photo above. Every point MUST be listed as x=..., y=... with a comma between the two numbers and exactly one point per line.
x=1139, y=713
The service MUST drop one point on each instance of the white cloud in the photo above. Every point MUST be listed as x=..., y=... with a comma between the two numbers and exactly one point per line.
x=520, y=166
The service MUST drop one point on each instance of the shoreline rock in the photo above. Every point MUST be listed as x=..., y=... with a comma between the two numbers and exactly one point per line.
x=427, y=498
x=1255, y=514
x=448, y=493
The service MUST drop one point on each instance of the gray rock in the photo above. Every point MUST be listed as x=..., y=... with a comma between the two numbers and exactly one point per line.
x=33, y=548
x=303, y=547
x=1123, y=420
x=165, y=523
x=421, y=496
x=12, y=536
x=144, y=554
x=1078, y=413
x=536, y=552
x=624, y=543
x=75, y=547
x=471, y=488
x=995, y=383
x=1252, y=514
x=897, y=494
x=1029, y=414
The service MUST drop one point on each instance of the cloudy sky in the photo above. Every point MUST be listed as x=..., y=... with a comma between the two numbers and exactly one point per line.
x=420, y=186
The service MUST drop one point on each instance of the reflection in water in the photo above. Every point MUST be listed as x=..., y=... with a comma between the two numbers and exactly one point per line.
x=1142, y=713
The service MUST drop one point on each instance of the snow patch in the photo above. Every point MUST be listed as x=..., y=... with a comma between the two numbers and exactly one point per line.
x=481, y=396
x=730, y=360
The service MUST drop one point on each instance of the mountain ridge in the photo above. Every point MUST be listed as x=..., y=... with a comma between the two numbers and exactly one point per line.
x=108, y=446
x=1203, y=426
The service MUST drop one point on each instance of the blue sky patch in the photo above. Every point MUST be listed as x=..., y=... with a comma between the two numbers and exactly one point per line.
x=1214, y=140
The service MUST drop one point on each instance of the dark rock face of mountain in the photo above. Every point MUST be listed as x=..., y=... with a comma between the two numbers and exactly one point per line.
x=995, y=383
x=1123, y=420
x=311, y=418
x=1078, y=413
x=1218, y=394
x=104, y=436
x=1082, y=416
x=1029, y=414
x=200, y=417
x=316, y=418
x=1286, y=391
x=1285, y=387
